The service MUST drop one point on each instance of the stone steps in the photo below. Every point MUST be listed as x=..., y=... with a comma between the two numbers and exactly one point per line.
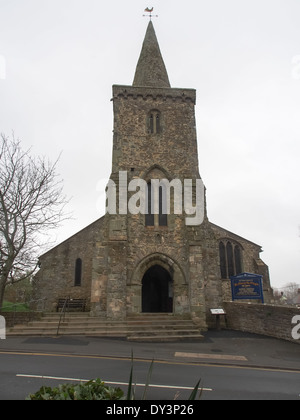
x=165, y=338
x=143, y=327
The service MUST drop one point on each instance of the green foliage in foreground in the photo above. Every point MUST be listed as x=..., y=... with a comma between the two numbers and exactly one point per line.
x=91, y=391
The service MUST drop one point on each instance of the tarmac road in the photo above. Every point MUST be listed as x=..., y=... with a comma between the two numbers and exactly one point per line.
x=232, y=366
x=24, y=374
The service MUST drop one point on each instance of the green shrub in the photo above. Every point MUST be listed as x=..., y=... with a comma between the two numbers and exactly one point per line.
x=91, y=391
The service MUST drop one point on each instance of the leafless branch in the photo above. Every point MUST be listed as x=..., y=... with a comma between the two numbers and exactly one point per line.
x=31, y=204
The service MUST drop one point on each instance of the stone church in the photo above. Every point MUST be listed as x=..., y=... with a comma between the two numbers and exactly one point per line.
x=124, y=263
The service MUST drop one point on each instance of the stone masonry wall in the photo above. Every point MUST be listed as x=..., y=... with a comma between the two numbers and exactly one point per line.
x=55, y=280
x=271, y=320
x=17, y=318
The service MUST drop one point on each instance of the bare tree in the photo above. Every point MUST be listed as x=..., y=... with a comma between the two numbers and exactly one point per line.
x=290, y=290
x=286, y=294
x=31, y=203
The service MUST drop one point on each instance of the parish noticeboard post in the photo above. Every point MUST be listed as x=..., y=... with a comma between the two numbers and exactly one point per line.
x=247, y=286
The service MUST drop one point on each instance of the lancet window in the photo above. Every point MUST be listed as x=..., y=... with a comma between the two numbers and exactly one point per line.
x=230, y=259
x=78, y=272
x=154, y=122
x=160, y=219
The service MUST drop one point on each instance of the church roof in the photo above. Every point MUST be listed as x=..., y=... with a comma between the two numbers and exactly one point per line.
x=151, y=70
x=227, y=233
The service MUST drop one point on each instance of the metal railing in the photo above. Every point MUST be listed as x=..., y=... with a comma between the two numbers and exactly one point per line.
x=62, y=314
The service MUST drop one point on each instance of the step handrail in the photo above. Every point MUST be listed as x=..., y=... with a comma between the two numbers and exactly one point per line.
x=62, y=314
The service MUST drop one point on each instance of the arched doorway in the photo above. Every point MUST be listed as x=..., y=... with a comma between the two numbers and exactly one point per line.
x=157, y=290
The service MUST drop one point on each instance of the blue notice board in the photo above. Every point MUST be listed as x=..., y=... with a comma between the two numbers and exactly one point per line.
x=247, y=286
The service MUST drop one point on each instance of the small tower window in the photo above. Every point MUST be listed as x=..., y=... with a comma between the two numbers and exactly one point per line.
x=154, y=122
x=157, y=123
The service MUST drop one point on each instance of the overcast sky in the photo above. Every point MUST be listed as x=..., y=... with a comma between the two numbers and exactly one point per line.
x=60, y=58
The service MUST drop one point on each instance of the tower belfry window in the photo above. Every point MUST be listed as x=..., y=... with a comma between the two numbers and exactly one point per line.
x=149, y=220
x=160, y=219
x=154, y=122
x=157, y=123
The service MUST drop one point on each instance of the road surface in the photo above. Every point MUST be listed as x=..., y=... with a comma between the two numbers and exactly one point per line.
x=24, y=373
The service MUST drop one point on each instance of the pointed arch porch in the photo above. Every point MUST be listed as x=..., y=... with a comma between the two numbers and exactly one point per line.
x=139, y=284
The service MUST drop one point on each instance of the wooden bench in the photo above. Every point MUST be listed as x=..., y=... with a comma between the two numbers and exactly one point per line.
x=71, y=304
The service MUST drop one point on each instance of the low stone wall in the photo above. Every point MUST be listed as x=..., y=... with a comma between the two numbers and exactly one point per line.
x=19, y=318
x=271, y=320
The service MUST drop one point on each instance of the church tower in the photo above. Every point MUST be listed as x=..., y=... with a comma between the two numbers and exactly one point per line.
x=154, y=138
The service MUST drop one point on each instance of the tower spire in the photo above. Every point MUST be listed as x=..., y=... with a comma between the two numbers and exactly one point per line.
x=151, y=70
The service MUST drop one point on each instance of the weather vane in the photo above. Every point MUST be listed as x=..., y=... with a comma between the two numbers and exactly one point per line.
x=148, y=10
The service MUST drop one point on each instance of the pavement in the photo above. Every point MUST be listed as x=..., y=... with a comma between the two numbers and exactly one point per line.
x=226, y=347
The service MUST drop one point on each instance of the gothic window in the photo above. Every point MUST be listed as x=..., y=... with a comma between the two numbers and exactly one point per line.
x=230, y=259
x=78, y=272
x=230, y=263
x=162, y=217
x=152, y=219
x=149, y=217
x=223, y=263
x=154, y=122
x=237, y=259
